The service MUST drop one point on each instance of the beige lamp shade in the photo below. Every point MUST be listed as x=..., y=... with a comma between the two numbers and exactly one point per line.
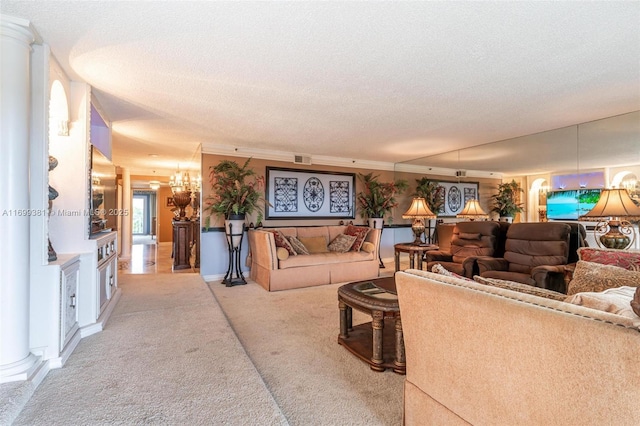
x=472, y=211
x=418, y=209
x=614, y=203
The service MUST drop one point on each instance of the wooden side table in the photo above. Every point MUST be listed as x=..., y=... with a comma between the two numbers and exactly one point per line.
x=413, y=250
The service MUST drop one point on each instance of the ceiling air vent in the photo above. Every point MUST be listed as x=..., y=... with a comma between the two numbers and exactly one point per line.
x=461, y=173
x=302, y=159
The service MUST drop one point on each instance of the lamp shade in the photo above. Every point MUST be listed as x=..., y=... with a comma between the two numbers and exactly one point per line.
x=418, y=209
x=614, y=203
x=472, y=210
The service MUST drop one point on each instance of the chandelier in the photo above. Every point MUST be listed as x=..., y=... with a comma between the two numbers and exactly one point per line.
x=183, y=182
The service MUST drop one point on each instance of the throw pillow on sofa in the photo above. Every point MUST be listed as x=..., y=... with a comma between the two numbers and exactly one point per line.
x=297, y=245
x=281, y=241
x=627, y=259
x=315, y=244
x=595, y=277
x=342, y=243
x=360, y=232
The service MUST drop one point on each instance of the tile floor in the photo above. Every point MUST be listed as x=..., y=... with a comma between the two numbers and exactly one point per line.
x=150, y=257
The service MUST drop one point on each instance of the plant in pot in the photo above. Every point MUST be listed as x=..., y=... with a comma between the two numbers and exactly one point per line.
x=236, y=191
x=377, y=199
x=507, y=201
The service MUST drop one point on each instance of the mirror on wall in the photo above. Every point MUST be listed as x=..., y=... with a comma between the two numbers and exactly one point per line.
x=608, y=148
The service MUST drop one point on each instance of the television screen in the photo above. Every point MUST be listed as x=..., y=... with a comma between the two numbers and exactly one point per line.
x=570, y=205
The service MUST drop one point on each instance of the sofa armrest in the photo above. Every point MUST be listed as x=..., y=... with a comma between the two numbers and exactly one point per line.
x=374, y=238
x=263, y=249
x=470, y=266
x=487, y=263
x=438, y=256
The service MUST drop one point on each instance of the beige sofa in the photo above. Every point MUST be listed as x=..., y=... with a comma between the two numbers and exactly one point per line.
x=313, y=269
x=483, y=355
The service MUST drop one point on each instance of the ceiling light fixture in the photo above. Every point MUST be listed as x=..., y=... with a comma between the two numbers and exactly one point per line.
x=154, y=184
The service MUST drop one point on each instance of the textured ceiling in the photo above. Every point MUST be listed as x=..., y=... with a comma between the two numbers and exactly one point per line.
x=375, y=81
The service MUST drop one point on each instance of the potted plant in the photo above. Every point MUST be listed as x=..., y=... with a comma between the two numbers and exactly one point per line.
x=377, y=199
x=432, y=192
x=507, y=201
x=236, y=191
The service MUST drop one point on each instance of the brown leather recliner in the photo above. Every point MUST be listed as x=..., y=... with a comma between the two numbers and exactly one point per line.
x=469, y=240
x=535, y=254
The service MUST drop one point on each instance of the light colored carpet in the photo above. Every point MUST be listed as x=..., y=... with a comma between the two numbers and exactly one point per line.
x=167, y=356
x=292, y=338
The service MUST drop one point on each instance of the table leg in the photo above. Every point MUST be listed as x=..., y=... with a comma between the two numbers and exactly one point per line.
x=349, y=318
x=419, y=254
x=378, y=327
x=400, y=360
x=411, y=260
x=397, y=259
x=344, y=332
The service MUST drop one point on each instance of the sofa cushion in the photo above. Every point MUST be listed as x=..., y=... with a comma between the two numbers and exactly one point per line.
x=281, y=241
x=297, y=245
x=368, y=247
x=360, y=232
x=521, y=288
x=595, y=277
x=615, y=300
x=342, y=243
x=627, y=259
x=524, y=278
x=450, y=270
x=330, y=257
x=315, y=244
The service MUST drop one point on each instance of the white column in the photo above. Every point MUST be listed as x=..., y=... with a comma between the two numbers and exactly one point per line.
x=126, y=220
x=16, y=38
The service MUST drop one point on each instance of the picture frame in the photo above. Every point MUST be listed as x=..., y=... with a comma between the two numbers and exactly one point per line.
x=170, y=202
x=309, y=194
x=456, y=195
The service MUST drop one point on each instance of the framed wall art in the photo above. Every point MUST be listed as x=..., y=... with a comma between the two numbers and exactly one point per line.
x=170, y=202
x=309, y=194
x=456, y=195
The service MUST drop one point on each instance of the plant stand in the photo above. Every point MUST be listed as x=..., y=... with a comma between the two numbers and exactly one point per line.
x=234, y=242
x=378, y=223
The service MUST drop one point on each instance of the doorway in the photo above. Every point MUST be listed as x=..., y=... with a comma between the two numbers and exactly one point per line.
x=144, y=217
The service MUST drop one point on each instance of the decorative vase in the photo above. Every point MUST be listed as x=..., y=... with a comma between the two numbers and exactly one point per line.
x=182, y=199
x=508, y=219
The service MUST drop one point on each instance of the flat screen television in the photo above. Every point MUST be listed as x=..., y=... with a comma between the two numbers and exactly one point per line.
x=570, y=205
x=103, y=214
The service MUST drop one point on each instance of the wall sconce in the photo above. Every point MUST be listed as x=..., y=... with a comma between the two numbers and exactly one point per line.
x=154, y=184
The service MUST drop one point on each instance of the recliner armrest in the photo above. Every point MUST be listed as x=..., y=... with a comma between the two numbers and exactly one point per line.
x=550, y=277
x=438, y=256
x=487, y=263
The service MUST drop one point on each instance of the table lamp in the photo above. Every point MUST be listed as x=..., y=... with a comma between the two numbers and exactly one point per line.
x=612, y=210
x=472, y=211
x=418, y=211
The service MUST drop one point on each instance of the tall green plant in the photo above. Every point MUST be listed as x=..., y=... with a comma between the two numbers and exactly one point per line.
x=377, y=199
x=507, y=201
x=432, y=192
x=235, y=189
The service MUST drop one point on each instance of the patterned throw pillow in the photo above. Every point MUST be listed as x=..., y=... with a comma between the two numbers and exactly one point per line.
x=360, y=232
x=627, y=259
x=589, y=277
x=613, y=300
x=441, y=270
x=342, y=243
x=297, y=245
x=521, y=288
x=281, y=241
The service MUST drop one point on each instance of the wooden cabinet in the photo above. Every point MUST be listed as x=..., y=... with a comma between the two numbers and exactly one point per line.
x=107, y=273
x=69, y=282
x=182, y=239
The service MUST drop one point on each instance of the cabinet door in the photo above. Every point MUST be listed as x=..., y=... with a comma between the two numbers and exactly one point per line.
x=103, y=286
x=69, y=280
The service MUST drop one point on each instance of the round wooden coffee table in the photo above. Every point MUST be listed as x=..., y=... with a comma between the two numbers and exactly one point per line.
x=378, y=345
